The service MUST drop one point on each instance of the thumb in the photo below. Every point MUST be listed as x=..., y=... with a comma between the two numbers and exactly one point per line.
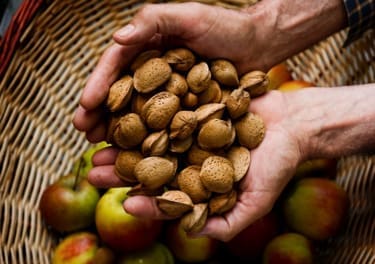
x=178, y=20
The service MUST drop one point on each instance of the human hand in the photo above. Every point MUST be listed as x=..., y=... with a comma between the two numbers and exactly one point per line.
x=272, y=165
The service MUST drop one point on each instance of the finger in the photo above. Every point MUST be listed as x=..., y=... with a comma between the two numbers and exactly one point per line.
x=144, y=207
x=97, y=134
x=164, y=19
x=86, y=120
x=249, y=208
x=106, y=156
x=108, y=69
x=104, y=177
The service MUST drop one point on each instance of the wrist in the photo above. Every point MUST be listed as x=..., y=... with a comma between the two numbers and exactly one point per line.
x=333, y=122
x=286, y=27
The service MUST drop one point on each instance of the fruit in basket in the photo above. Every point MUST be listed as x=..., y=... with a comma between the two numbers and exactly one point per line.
x=289, y=248
x=69, y=204
x=84, y=164
x=76, y=248
x=188, y=249
x=277, y=75
x=250, y=243
x=323, y=167
x=156, y=253
x=294, y=85
x=315, y=207
x=120, y=230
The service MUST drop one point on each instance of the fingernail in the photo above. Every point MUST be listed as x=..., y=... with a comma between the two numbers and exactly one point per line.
x=127, y=30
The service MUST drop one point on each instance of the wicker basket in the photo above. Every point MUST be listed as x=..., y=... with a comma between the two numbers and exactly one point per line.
x=40, y=89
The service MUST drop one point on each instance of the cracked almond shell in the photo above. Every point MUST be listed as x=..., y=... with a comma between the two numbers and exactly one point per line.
x=151, y=74
x=222, y=203
x=119, y=94
x=215, y=134
x=177, y=85
x=255, y=82
x=174, y=203
x=183, y=124
x=194, y=221
x=155, y=144
x=240, y=158
x=129, y=131
x=180, y=59
x=238, y=103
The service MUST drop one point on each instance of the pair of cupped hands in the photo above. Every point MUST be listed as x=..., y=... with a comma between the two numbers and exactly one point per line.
x=211, y=32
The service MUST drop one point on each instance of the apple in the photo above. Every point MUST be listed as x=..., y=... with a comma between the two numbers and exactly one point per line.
x=156, y=253
x=294, y=85
x=76, y=248
x=104, y=255
x=277, y=75
x=315, y=207
x=324, y=167
x=118, y=229
x=186, y=248
x=86, y=160
x=289, y=248
x=250, y=242
x=69, y=204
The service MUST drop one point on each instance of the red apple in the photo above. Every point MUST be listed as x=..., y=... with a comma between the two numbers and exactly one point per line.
x=250, y=242
x=277, y=75
x=156, y=253
x=323, y=167
x=76, y=248
x=289, y=248
x=188, y=249
x=315, y=207
x=67, y=205
x=120, y=230
x=294, y=85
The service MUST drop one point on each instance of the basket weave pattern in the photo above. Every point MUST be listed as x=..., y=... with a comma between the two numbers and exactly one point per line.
x=39, y=93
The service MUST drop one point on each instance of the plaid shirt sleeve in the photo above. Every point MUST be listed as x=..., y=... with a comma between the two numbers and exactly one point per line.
x=361, y=17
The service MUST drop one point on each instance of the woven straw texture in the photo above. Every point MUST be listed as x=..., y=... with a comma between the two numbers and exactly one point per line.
x=40, y=89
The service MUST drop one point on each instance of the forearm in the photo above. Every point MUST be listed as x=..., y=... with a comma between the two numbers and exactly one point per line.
x=333, y=122
x=290, y=26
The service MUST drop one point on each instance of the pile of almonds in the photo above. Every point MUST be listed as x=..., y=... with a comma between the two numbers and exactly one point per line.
x=185, y=131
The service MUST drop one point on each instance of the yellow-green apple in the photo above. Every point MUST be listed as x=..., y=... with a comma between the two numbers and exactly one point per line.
x=289, y=248
x=315, y=207
x=249, y=244
x=120, y=230
x=189, y=249
x=323, y=167
x=294, y=85
x=76, y=248
x=69, y=204
x=156, y=253
x=277, y=75
x=86, y=160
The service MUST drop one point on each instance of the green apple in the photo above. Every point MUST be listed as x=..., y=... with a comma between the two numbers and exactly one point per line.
x=189, y=249
x=315, y=207
x=120, y=230
x=156, y=253
x=69, y=204
x=76, y=248
x=86, y=158
x=289, y=248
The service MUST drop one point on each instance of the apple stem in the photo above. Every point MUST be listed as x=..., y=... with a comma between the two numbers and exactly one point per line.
x=78, y=174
